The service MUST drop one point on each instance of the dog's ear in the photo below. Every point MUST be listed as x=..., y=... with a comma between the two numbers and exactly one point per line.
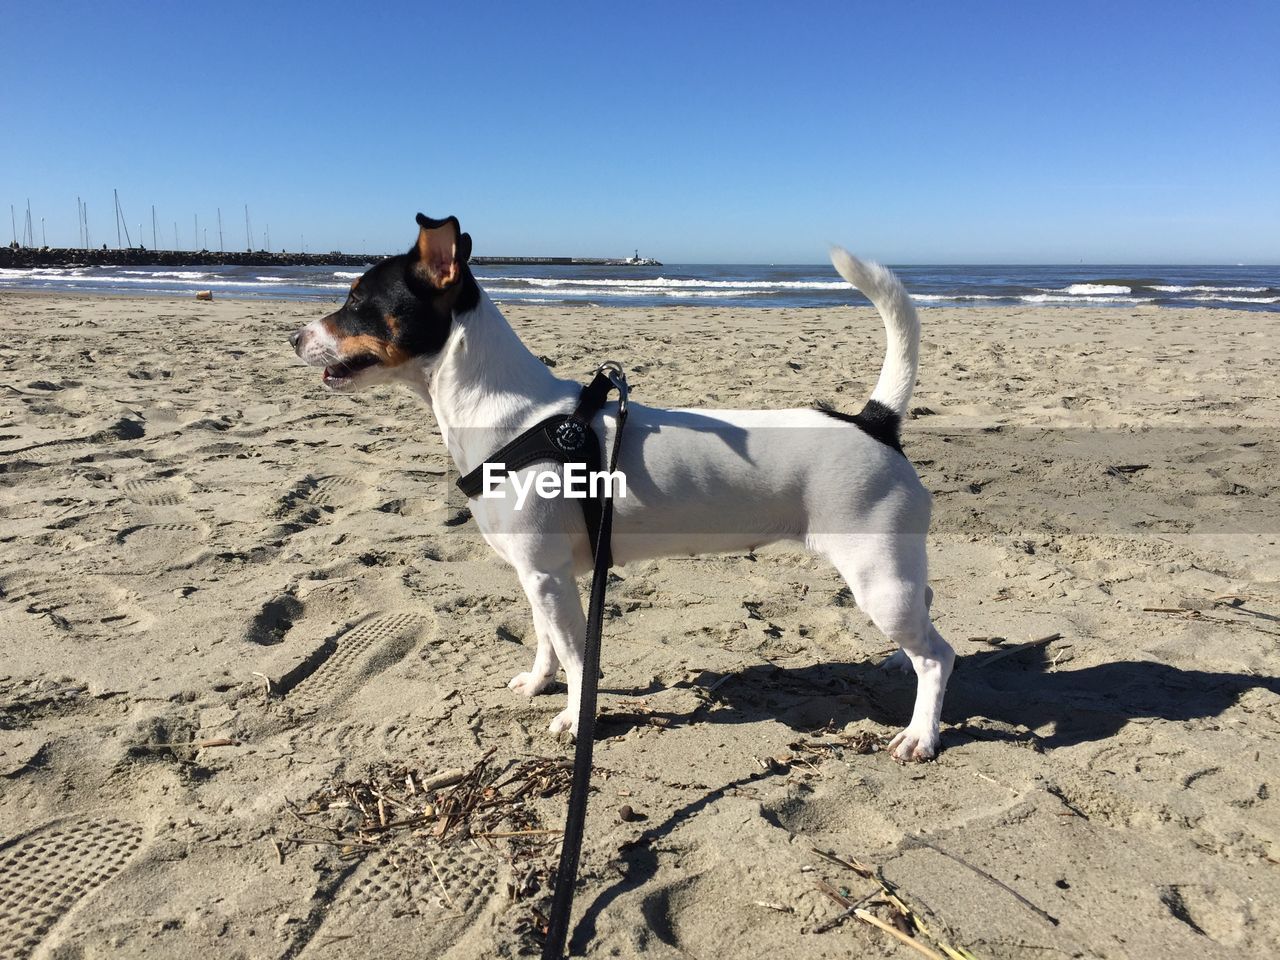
x=442, y=248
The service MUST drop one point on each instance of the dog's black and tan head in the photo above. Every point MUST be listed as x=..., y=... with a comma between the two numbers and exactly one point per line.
x=400, y=310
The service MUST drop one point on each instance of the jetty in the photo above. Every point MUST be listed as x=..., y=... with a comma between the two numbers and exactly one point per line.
x=20, y=257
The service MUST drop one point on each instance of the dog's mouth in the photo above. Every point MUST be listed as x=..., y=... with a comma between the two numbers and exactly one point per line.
x=343, y=372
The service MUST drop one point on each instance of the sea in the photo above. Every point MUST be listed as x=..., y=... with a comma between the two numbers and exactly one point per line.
x=752, y=285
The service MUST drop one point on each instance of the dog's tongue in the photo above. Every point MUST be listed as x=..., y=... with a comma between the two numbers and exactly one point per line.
x=346, y=369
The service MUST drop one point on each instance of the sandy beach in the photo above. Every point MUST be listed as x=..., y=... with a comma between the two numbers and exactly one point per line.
x=245, y=624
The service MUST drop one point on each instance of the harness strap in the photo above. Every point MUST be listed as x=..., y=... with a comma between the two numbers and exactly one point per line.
x=562, y=438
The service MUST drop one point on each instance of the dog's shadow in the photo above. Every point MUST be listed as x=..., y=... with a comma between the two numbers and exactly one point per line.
x=1020, y=693
x=1025, y=691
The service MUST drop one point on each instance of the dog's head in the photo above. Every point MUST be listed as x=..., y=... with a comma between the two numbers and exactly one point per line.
x=401, y=309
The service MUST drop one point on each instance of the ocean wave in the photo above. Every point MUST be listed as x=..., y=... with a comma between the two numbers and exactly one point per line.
x=658, y=283
x=169, y=274
x=161, y=282
x=1222, y=299
x=598, y=291
x=1092, y=289
x=41, y=273
x=1202, y=288
x=346, y=275
x=932, y=297
x=1078, y=298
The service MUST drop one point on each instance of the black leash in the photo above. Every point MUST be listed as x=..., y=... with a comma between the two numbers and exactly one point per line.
x=570, y=439
x=576, y=818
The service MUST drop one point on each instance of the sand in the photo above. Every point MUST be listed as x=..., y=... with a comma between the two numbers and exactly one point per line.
x=199, y=545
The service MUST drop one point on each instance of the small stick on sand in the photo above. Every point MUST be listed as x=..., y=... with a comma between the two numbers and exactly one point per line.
x=721, y=682
x=867, y=917
x=217, y=742
x=986, y=876
x=266, y=683
x=440, y=880
x=773, y=905
x=442, y=778
x=857, y=866
x=506, y=834
x=333, y=843
x=1019, y=648
x=842, y=917
x=279, y=851
x=834, y=894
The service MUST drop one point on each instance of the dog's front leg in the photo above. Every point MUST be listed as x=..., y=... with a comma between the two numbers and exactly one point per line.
x=561, y=627
x=545, y=662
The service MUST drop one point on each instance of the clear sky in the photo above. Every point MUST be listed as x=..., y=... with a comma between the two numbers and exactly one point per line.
x=947, y=132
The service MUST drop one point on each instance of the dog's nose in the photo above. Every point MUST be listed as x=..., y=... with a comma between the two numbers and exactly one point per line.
x=294, y=338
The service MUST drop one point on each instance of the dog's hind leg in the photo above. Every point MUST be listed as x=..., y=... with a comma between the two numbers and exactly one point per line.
x=887, y=576
x=561, y=627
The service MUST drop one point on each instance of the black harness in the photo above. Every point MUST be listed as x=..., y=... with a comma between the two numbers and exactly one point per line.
x=570, y=439
x=565, y=438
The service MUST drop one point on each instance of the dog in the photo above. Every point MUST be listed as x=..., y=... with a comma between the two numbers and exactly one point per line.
x=697, y=481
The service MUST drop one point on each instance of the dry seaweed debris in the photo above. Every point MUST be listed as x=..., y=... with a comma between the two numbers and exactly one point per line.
x=486, y=802
x=904, y=924
x=810, y=753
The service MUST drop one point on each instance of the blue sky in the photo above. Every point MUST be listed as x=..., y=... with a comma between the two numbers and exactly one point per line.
x=969, y=132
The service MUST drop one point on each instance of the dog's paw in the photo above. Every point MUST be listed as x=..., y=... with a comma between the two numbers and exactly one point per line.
x=566, y=721
x=913, y=745
x=529, y=684
x=898, y=660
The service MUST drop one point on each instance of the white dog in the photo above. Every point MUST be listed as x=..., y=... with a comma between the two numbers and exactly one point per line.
x=697, y=480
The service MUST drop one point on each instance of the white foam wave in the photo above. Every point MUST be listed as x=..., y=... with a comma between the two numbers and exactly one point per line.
x=1092, y=289
x=1172, y=288
x=1078, y=298
x=664, y=282
x=932, y=297
x=346, y=275
x=169, y=274
x=41, y=273
x=1221, y=299
x=201, y=280
x=585, y=292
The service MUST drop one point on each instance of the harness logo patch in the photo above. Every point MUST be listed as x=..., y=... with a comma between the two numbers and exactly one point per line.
x=570, y=436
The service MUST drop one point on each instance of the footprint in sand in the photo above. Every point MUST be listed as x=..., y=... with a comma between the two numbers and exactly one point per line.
x=154, y=493
x=312, y=497
x=478, y=664
x=83, y=605
x=150, y=547
x=45, y=873
x=342, y=664
x=334, y=491
x=385, y=901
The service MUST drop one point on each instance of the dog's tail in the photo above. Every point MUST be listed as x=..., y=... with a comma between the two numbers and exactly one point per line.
x=901, y=325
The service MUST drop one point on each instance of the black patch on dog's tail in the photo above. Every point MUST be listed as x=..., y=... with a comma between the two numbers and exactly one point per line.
x=875, y=420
